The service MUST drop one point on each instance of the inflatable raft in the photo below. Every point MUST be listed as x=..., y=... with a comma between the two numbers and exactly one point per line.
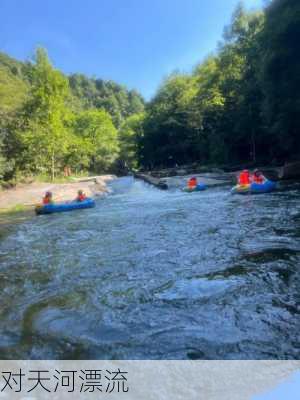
x=254, y=188
x=199, y=188
x=62, y=207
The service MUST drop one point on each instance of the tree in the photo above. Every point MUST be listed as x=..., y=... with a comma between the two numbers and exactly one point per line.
x=130, y=136
x=100, y=138
x=119, y=102
x=208, y=107
x=13, y=93
x=281, y=78
x=168, y=136
x=45, y=134
x=239, y=69
x=214, y=115
x=48, y=120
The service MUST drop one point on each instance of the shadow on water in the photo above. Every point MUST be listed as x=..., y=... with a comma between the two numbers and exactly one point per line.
x=152, y=274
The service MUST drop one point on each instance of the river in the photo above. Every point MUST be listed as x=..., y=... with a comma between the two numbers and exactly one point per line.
x=151, y=274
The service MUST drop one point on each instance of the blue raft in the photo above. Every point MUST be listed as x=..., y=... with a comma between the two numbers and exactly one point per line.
x=255, y=188
x=62, y=207
x=199, y=188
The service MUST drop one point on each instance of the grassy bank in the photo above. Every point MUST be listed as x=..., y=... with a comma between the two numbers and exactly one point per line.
x=16, y=209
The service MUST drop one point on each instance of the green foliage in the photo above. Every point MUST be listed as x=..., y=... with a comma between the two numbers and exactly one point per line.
x=281, y=77
x=169, y=130
x=115, y=99
x=240, y=105
x=49, y=121
x=44, y=134
x=130, y=136
x=13, y=92
x=19, y=208
x=2, y=166
x=205, y=117
x=13, y=66
x=96, y=140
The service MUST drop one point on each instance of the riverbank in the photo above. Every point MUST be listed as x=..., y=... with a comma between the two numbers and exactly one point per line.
x=25, y=196
x=213, y=176
x=210, y=179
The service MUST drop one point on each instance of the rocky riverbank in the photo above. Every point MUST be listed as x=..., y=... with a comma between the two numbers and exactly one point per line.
x=172, y=177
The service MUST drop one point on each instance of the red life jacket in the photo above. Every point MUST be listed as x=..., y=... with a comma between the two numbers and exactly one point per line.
x=244, y=178
x=46, y=200
x=258, y=179
x=81, y=197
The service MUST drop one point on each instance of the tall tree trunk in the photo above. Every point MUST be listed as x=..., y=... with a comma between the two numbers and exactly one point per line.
x=253, y=146
x=53, y=167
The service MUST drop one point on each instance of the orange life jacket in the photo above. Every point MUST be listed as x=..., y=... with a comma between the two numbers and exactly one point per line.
x=244, y=178
x=192, y=183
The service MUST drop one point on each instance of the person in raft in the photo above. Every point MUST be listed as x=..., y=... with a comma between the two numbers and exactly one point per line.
x=48, y=198
x=192, y=183
x=80, y=196
x=244, y=178
x=258, y=177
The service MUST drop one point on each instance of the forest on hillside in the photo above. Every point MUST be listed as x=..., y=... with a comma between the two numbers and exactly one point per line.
x=49, y=121
x=240, y=105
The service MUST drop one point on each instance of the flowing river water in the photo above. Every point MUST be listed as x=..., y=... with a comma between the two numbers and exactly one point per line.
x=151, y=274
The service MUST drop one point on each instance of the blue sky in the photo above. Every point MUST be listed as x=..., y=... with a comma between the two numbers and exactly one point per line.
x=134, y=42
x=288, y=390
